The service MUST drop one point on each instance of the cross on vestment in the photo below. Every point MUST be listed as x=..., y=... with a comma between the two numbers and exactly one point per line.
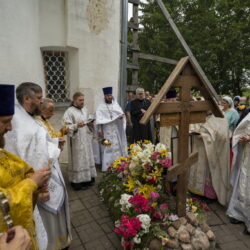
x=183, y=113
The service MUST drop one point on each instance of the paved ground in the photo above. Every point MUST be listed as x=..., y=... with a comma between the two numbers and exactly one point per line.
x=92, y=225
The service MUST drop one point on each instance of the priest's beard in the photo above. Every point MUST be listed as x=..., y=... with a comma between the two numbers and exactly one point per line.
x=2, y=141
x=108, y=101
x=37, y=112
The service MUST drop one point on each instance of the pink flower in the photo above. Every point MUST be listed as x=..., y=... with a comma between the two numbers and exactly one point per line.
x=123, y=166
x=155, y=156
x=148, y=167
x=166, y=163
x=154, y=196
x=164, y=207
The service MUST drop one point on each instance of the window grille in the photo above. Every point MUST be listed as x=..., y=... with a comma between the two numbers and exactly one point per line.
x=56, y=75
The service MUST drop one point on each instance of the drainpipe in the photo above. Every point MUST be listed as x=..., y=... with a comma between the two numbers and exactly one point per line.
x=123, y=60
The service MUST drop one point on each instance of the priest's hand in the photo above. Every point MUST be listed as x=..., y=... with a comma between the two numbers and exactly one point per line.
x=80, y=124
x=61, y=143
x=244, y=139
x=43, y=197
x=100, y=134
x=41, y=176
x=21, y=240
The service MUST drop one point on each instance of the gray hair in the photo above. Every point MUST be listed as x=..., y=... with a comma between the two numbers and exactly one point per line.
x=139, y=90
x=27, y=89
x=46, y=102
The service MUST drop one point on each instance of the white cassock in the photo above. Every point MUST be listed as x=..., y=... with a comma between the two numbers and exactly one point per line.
x=81, y=158
x=31, y=142
x=209, y=176
x=110, y=123
x=240, y=175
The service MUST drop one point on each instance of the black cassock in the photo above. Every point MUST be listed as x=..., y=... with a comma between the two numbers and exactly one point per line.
x=140, y=132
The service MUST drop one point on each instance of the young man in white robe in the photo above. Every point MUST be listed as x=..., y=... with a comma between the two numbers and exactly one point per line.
x=111, y=123
x=31, y=142
x=238, y=209
x=81, y=168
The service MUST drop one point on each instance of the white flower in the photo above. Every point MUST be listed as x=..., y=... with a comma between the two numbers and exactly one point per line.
x=173, y=217
x=150, y=147
x=101, y=191
x=124, y=202
x=159, y=147
x=145, y=221
x=159, y=186
x=137, y=239
x=137, y=148
x=117, y=223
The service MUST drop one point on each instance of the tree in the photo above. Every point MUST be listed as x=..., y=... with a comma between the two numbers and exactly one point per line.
x=217, y=32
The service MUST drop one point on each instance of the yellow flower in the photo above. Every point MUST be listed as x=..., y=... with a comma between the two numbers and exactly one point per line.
x=144, y=175
x=146, y=141
x=194, y=209
x=163, y=152
x=131, y=184
x=116, y=163
x=145, y=190
x=131, y=146
x=154, y=204
x=156, y=174
x=190, y=200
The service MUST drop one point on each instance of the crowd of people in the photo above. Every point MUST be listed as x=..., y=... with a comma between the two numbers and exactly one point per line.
x=31, y=177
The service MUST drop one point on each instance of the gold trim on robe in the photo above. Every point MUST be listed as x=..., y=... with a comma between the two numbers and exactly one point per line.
x=20, y=191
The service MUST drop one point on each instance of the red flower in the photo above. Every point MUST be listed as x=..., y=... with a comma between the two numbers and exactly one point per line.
x=140, y=202
x=157, y=215
x=129, y=227
x=151, y=180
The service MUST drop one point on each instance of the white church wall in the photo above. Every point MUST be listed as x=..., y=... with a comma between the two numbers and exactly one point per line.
x=20, y=56
x=52, y=23
x=89, y=31
x=94, y=28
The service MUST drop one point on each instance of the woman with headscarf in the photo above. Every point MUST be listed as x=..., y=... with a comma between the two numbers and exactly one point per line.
x=232, y=118
x=230, y=113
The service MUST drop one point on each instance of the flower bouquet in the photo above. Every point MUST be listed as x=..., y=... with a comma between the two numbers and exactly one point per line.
x=134, y=190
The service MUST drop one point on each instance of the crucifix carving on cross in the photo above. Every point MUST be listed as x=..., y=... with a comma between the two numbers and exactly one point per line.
x=184, y=112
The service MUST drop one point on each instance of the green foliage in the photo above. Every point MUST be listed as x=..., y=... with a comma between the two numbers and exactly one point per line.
x=217, y=32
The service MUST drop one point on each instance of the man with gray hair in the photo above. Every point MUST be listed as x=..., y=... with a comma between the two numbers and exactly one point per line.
x=138, y=108
x=30, y=141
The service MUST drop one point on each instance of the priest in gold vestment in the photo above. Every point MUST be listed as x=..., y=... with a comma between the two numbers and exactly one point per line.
x=19, y=182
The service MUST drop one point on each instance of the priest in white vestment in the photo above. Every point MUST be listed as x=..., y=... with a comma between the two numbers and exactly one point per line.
x=239, y=205
x=111, y=123
x=31, y=142
x=81, y=169
x=209, y=176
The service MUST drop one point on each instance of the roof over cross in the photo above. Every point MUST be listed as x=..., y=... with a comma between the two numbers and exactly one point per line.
x=184, y=112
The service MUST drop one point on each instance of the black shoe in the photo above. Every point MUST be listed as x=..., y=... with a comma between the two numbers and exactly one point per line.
x=78, y=186
x=234, y=221
x=92, y=182
x=246, y=232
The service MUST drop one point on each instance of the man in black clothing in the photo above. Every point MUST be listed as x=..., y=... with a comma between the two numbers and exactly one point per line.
x=137, y=110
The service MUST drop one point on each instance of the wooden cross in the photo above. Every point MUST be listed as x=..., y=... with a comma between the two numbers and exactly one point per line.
x=185, y=111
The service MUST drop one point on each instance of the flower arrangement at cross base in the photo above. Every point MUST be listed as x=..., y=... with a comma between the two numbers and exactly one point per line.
x=134, y=190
